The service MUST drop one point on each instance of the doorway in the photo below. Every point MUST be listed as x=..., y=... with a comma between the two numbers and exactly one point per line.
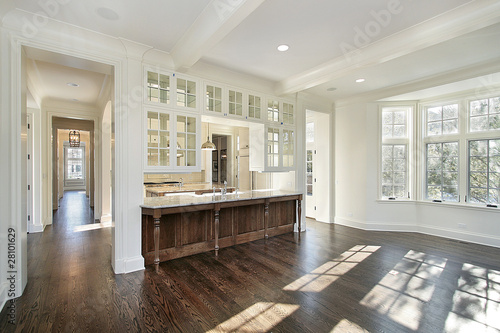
x=220, y=159
x=318, y=166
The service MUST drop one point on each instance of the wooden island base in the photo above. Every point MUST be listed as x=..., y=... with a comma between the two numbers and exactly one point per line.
x=174, y=232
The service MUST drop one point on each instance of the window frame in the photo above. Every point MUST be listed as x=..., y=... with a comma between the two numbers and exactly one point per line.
x=407, y=141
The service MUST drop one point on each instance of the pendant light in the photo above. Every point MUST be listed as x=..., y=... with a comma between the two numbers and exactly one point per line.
x=74, y=138
x=208, y=145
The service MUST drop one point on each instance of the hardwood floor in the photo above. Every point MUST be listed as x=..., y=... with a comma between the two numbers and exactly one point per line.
x=334, y=279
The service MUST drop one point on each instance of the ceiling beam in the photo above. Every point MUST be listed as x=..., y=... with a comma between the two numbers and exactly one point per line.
x=473, y=16
x=217, y=20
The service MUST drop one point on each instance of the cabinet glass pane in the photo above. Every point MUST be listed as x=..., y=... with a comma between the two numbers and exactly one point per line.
x=164, y=157
x=181, y=124
x=253, y=107
x=164, y=121
x=164, y=139
x=191, y=158
x=158, y=86
x=273, y=110
x=287, y=113
x=273, y=147
x=153, y=157
x=152, y=138
x=191, y=125
x=181, y=141
x=214, y=98
x=153, y=120
x=191, y=141
x=235, y=103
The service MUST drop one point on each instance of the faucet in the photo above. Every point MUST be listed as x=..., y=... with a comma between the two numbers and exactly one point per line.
x=224, y=192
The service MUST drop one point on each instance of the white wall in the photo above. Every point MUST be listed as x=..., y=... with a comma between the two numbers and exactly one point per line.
x=357, y=189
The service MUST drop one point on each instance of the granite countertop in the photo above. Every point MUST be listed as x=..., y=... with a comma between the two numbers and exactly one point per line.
x=187, y=199
x=186, y=187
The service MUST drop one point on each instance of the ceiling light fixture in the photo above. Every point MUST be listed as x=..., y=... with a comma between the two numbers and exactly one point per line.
x=331, y=89
x=74, y=138
x=72, y=84
x=208, y=145
x=360, y=80
x=283, y=47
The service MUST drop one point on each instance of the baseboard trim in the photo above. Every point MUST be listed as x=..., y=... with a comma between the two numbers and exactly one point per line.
x=469, y=237
x=129, y=265
x=34, y=228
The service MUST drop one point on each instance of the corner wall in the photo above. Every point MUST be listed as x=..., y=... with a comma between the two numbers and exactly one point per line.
x=357, y=189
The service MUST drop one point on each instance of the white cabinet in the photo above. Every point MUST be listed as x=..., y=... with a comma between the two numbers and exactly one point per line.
x=168, y=89
x=172, y=141
x=280, y=112
x=272, y=148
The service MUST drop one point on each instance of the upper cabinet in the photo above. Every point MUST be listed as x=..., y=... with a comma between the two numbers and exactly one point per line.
x=213, y=98
x=235, y=103
x=169, y=89
x=280, y=112
x=272, y=148
x=254, y=107
x=172, y=141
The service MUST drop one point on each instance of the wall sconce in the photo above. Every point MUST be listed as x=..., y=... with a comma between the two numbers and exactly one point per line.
x=74, y=138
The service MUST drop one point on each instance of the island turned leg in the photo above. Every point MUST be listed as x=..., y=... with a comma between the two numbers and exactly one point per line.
x=156, y=221
x=217, y=211
x=266, y=218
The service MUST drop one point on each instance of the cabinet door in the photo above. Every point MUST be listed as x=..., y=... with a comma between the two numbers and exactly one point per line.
x=213, y=101
x=187, y=142
x=273, y=110
x=158, y=139
x=288, y=113
x=254, y=107
x=186, y=93
x=235, y=103
x=288, y=142
x=158, y=87
x=273, y=151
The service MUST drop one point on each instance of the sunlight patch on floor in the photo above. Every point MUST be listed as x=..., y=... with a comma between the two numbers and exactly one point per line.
x=93, y=226
x=476, y=302
x=260, y=317
x=323, y=276
x=347, y=326
x=404, y=291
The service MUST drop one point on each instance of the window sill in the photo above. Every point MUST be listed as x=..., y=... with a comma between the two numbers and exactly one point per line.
x=442, y=204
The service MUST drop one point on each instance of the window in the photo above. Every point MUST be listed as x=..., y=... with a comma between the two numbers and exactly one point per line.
x=273, y=110
x=394, y=159
x=214, y=98
x=158, y=87
x=442, y=171
x=75, y=163
x=235, y=103
x=442, y=120
x=484, y=171
x=186, y=93
x=158, y=140
x=484, y=114
x=254, y=107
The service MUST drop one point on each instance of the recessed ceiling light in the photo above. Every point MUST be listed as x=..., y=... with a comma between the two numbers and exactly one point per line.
x=360, y=80
x=283, y=47
x=74, y=100
x=331, y=89
x=72, y=84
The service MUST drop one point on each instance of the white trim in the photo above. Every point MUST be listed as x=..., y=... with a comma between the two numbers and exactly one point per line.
x=470, y=237
x=36, y=228
x=129, y=265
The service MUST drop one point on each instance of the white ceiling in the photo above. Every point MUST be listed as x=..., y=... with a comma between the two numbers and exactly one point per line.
x=418, y=40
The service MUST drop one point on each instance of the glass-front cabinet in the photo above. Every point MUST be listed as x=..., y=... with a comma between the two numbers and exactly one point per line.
x=272, y=149
x=213, y=98
x=254, y=107
x=280, y=112
x=173, y=141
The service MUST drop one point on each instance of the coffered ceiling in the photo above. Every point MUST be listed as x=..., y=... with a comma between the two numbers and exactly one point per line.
x=331, y=42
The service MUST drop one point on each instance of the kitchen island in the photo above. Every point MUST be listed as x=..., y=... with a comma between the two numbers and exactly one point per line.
x=179, y=225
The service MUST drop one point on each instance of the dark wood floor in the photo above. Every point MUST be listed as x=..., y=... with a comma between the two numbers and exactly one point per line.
x=334, y=279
